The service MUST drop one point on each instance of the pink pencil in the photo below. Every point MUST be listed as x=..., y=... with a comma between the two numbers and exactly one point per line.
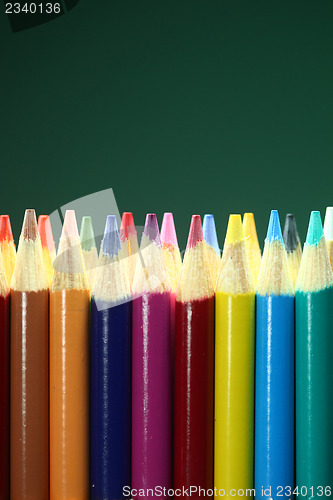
x=151, y=382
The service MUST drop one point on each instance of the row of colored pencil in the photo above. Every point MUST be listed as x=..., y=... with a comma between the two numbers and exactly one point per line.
x=134, y=370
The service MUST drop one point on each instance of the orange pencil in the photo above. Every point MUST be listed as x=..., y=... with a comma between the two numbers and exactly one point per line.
x=7, y=246
x=69, y=369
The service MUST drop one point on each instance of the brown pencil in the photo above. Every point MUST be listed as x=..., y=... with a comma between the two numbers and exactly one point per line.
x=29, y=459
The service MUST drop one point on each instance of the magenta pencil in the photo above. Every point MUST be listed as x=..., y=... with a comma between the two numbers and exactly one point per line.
x=151, y=377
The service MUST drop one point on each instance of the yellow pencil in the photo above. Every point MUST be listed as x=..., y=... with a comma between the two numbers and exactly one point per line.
x=252, y=245
x=234, y=366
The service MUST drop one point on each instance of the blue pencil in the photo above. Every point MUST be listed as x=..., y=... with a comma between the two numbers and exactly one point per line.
x=274, y=397
x=212, y=245
x=110, y=380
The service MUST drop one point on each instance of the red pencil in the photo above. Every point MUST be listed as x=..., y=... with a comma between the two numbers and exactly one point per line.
x=4, y=384
x=194, y=369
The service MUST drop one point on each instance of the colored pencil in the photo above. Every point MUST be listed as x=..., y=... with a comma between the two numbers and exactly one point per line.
x=29, y=348
x=4, y=383
x=89, y=250
x=173, y=266
x=314, y=374
x=7, y=246
x=110, y=379
x=234, y=365
x=129, y=241
x=48, y=246
x=328, y=232
x=194, y=367
x=69, y=369
x=274, y=396
x=213, y=248
x=151, y=365
x=252, y=245
x=293, y=246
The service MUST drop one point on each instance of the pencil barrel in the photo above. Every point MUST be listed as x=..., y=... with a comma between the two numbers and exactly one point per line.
x=194, y=394
x=234, y=391
x=29, y=434
x=69, y=394
x=110, y=397
x=274, y=406
x=151, y=391
x=314, y=391
x=4, y=397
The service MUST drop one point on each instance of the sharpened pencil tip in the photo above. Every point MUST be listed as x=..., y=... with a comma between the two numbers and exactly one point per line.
x=69, y=227
x=168, y=230
x=151, y=229
x=195, y=234
x=274, y=228
x=5, y=228
x=235, y=232
x=328, y=224
x=87, y=236
x=29, y=228
x=209, y=232
x=127, y=224
x=290, y=234
x=111, y=240
x=315, y=229
x=45, y=232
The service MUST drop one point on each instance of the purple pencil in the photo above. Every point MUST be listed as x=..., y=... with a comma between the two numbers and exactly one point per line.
x=151, y=367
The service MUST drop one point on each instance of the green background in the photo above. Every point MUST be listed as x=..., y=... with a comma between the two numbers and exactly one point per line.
x=184, y=106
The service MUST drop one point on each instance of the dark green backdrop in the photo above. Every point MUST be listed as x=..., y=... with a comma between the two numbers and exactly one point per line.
x=192, y=106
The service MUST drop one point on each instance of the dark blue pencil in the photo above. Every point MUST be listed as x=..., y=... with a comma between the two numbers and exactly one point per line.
x=110, y=389
x=274, y=397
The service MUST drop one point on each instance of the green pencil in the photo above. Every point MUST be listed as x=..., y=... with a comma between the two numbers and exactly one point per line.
x=314, y=370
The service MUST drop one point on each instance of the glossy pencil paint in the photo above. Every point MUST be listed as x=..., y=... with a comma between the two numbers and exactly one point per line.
x=274, y=393
x=234, y=365
x=4, y=383
x=29, y=366
x=69, y=369
x=151, y=366
x=314, y=374
x=194, y=368
x=110, y=372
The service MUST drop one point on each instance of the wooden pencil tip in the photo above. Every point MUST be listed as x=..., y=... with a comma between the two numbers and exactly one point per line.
x=29, y=227
x=328, y=224
x=235, y=232
x=274, y=228
x=195, y=234
x=5, y=228
x=209, y=232
x=111, y=241
x=69, y=227
x=151, y=229
x=127, y=224
x=315, y=229
x=290, y=234
x=45, y=232
x=168, y=230
x=87, y=236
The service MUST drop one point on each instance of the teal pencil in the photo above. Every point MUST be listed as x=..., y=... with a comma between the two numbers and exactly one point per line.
x=314, y=372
